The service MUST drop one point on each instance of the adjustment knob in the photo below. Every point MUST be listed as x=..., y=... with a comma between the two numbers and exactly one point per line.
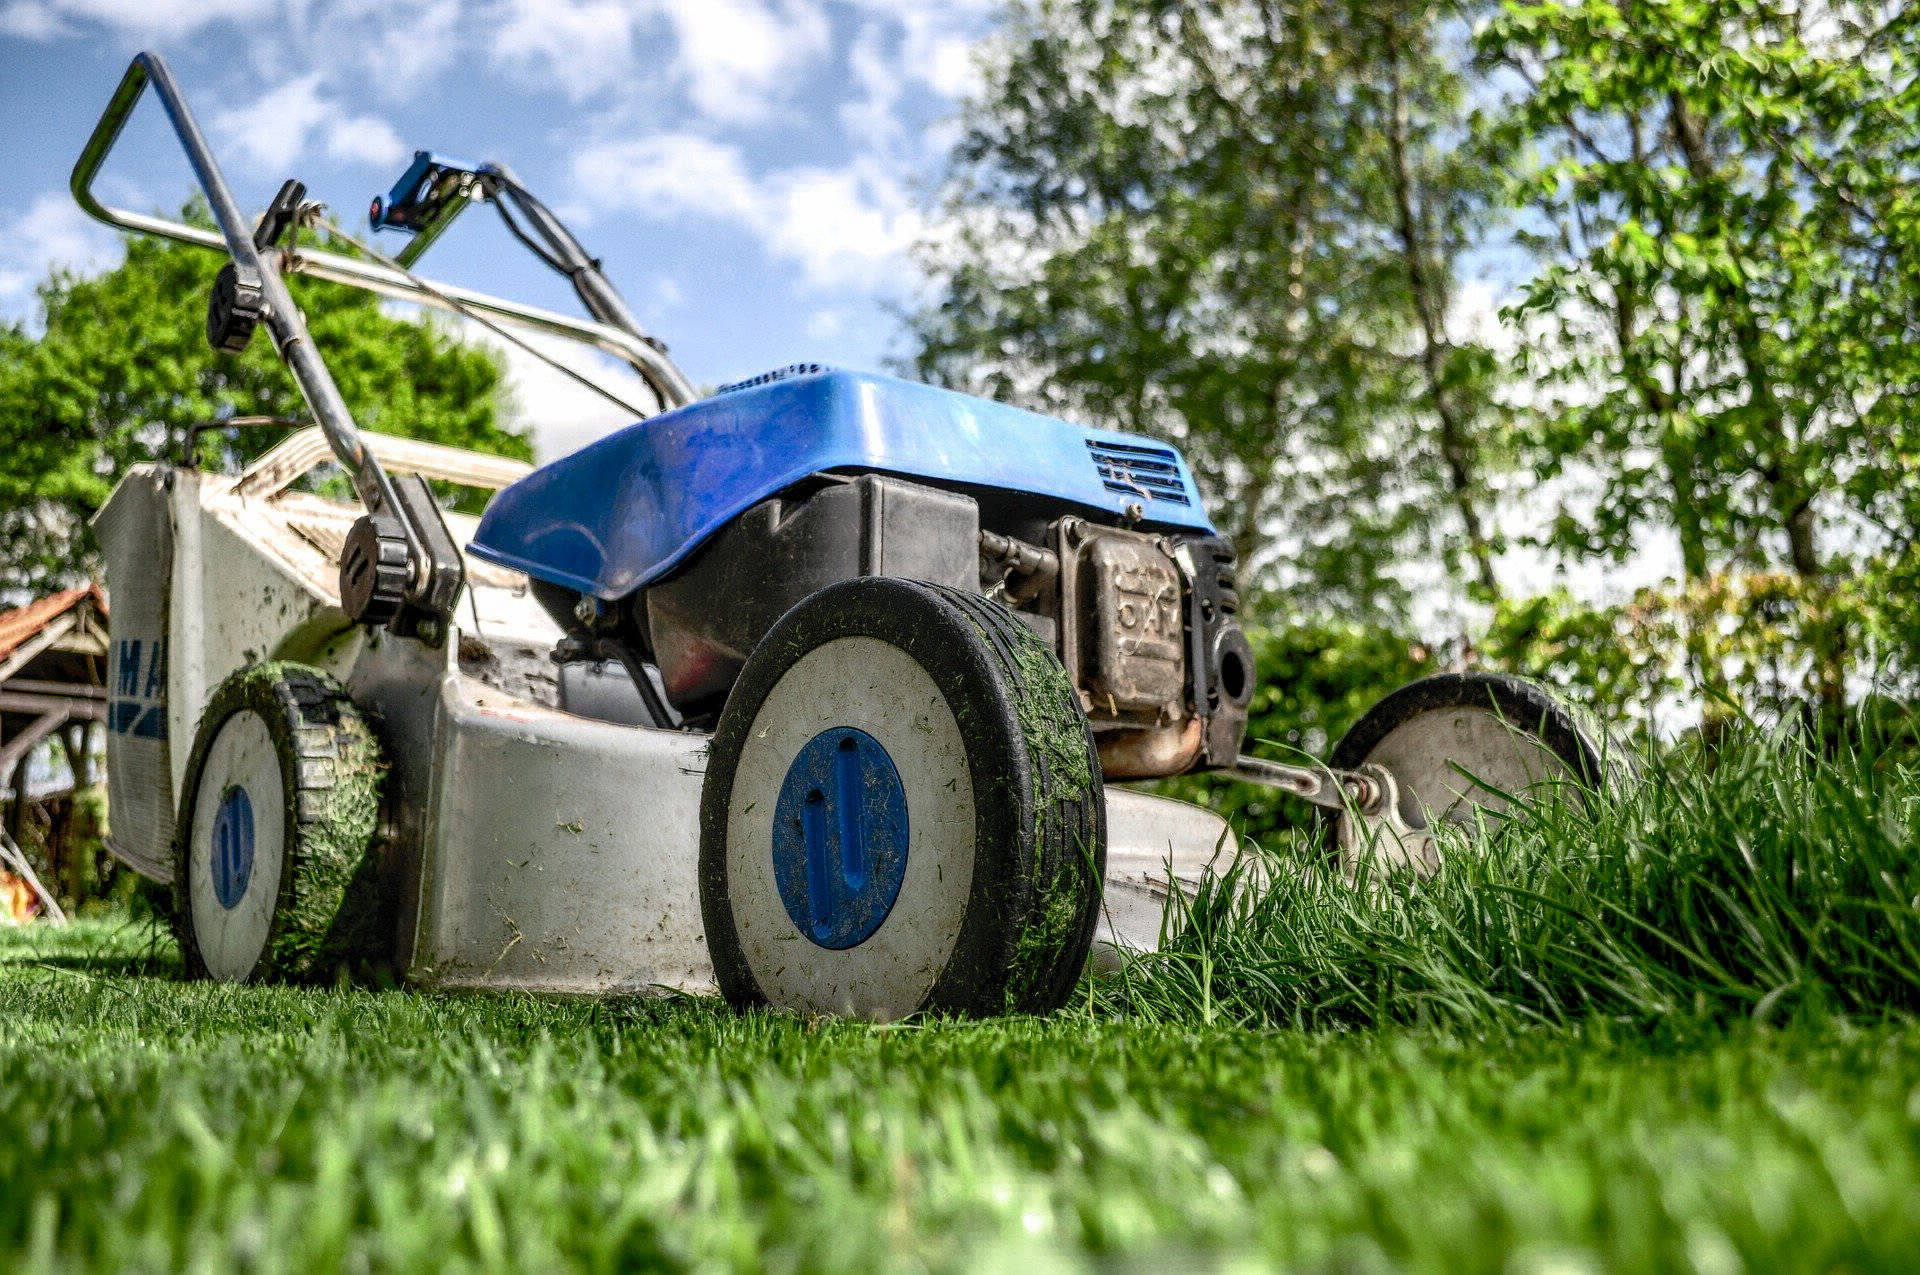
x=374, y=570
x=236, y=305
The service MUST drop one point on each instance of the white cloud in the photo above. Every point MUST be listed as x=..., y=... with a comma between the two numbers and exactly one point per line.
x=737, y=57
x=873, y=116
x=400, y=44
x=30, y=21
x=580, y=47
x=670, y=173
x=667, y=295
x=276, y=130
x=940, y=43
x=733, y=59
x=937, y=39
x=847, y=226
x=843, y=226
x=51, y=232
x=364, y=139
x=160, y=19
x=824, y=325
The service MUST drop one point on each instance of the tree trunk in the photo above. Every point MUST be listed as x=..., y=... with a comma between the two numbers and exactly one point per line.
x=1792, y=496
x=1429, y=289
x=73, y=738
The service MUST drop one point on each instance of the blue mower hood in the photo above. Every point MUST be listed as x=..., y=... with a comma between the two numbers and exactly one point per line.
x=622, y=512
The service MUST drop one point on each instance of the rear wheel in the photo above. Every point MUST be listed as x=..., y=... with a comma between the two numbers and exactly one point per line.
x=1459, y=747
x=902, y=812
x=272, y=873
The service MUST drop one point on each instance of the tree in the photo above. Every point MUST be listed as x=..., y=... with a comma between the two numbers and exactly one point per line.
x=121, y=373
x=1237, y=226
x=1728, y=299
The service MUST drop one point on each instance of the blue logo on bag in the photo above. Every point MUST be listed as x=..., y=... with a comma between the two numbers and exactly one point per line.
x=138, y=706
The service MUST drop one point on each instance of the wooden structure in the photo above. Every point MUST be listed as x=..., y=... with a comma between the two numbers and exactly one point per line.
x=53, y=682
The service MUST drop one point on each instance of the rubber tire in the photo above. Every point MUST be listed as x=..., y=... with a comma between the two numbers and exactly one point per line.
x=1019, y=949
x=327, y=914
x=1525, y=704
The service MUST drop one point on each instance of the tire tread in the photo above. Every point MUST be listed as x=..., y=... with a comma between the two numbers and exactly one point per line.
x=327, y=914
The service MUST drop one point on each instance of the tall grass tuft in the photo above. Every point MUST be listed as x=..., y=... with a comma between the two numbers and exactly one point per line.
x=1771, y=881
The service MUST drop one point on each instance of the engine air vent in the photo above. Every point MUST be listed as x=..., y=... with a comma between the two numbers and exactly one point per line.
x=787, y=373
x=1137, y=469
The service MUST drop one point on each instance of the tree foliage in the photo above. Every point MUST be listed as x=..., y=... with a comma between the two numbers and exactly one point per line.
x=1243, y=225
x=121, y=373
x=1727, y=307
x=1237, y=226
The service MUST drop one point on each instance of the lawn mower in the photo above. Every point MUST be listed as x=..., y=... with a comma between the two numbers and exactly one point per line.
x=817, y=690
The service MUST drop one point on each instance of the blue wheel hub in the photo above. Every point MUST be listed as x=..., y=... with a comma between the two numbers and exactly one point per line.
x=232, y=847
x=840, y=837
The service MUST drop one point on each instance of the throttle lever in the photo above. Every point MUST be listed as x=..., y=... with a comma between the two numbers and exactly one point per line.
x=280, y=214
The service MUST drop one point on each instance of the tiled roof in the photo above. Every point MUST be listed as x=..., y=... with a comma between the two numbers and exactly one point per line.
x=20, y=625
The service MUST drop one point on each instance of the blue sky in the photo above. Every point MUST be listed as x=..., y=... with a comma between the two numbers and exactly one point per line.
x=751, y=171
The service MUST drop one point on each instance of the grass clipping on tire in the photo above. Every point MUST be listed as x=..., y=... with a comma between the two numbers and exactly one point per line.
x=1066, y=878
x=328, y=916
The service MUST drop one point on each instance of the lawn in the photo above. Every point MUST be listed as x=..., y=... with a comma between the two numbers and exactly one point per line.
x=1266, y=1096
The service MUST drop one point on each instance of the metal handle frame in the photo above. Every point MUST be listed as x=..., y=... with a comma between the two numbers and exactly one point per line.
x=667, y=381
x=283, y=319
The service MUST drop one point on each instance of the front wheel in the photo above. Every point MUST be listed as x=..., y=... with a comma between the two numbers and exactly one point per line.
x=902, y=812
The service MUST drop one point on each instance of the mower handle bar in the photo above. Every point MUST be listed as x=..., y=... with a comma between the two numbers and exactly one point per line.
x=236, y=241
x=666, y=380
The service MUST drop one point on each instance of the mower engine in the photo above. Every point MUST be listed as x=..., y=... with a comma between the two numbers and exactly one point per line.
x=1099, y=545
x=1143, y=621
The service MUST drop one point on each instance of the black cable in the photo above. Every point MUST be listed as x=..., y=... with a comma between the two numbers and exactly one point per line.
x=549, y=225
x=526, y=241
x=460, y=307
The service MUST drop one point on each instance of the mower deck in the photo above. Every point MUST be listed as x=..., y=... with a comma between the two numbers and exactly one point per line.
x=532, y=848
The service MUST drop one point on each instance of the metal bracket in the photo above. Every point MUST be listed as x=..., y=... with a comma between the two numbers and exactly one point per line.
x=1331, y=789
x=429, y=195
x=445, y=571
x=597, y=649
x=435, y=189
x=1370, y=827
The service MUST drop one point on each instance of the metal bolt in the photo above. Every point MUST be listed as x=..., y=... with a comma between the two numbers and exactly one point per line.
x=1366, y=792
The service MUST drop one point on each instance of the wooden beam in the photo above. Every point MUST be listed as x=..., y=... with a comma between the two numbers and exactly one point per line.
x=56, y=629
x=87, y=637
x=13, y=754
x=36, y=686
x=72, y=706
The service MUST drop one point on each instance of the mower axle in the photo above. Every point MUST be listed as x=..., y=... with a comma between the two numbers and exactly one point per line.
x=1333, y=789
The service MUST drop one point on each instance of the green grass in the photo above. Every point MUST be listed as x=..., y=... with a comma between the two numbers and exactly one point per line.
x=1767, y=884
x=1387, y=1077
